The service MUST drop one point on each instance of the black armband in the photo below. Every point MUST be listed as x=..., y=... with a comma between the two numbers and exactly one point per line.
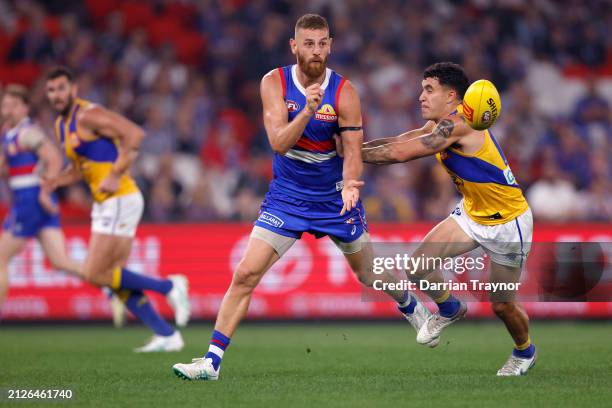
x=350, y=129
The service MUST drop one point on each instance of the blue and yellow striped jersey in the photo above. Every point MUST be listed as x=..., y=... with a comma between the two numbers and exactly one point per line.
x=491, y=194
x=92, y=155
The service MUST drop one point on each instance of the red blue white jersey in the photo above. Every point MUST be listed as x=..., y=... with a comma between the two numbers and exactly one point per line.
x=21, y=161
x=311, y=170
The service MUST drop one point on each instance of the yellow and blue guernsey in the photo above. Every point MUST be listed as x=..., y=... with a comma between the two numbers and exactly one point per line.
x=490, y=192
x=92, y=155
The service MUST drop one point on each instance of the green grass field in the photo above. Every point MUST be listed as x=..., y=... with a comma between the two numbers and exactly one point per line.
x=357, y=364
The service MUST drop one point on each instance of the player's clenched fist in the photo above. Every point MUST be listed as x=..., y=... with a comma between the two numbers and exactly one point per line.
x=314, y=95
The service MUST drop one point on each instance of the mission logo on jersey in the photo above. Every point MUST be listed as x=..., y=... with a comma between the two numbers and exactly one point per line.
x=326, y=113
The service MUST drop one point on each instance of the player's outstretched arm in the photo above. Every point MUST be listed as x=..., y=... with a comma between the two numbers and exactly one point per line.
x=411, y=134
x=351, y=133
x=282, y=134
x=446, y=132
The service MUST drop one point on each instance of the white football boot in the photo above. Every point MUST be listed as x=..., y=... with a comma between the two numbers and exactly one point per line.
x=517, y=365
x=157, y=344
x=432, y=328
x=198, y=369
x=118, y=311
x=178, y=298
x=418, y=318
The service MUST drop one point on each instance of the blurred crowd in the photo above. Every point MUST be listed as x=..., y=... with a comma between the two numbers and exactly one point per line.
x=188, y=72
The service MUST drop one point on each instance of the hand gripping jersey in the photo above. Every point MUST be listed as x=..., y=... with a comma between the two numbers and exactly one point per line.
x=490, y=192
x=93, y=156
x=311, y=170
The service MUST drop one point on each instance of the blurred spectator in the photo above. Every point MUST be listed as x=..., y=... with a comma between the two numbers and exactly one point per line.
x=159, y=135
x=33, y=44
x=552, y=198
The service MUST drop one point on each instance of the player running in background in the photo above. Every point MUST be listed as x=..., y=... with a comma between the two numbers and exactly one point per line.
x=493, y=213
x=101, y=146
x=313, y=190
x=29, y=156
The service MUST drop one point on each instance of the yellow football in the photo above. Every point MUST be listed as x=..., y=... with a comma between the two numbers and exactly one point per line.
x=481, y=105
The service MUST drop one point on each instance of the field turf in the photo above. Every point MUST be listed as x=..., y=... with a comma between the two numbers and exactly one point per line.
x=313, y=365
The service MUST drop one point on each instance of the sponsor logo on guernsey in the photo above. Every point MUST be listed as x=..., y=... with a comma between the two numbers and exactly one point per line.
x=339, y=185
x=509, y=176
x=292, y=106
x=270, y=219
x=326, y=113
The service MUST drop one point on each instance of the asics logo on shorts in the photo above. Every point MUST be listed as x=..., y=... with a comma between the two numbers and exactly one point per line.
x=270, y=219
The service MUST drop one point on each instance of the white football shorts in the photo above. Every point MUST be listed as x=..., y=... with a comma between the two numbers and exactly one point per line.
x=118, y=215
x=507, y=244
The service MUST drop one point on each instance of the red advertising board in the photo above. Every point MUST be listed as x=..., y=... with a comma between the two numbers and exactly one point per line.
x=312, y=281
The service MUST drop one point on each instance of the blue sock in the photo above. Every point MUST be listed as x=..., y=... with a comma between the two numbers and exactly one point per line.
x=139, y=305
x=407, y=305
x=125, y=279
x=449, y=307
x=216, y=349
x=526, y=353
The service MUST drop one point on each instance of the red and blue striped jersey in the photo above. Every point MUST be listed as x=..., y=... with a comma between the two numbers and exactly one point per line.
x=311, y=169
x=21, y=161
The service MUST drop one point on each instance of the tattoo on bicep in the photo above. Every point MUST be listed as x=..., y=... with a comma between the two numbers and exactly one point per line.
x=439, y=135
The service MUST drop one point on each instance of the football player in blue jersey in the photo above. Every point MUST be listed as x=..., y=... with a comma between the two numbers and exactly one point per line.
x=313, y=189
x=29, y=157
x=493, y=213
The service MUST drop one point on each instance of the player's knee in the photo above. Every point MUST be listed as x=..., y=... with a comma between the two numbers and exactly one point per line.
x=420, y=273
x=246, y=276
x=56, y=263
x=93, y=276
x=502, y=309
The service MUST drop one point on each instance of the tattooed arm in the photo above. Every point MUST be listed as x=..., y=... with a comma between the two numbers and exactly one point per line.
x=411, y=134
x=446, y=132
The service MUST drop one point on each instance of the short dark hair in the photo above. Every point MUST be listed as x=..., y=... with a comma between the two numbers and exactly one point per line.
x=312, y=22
x=60, y=71
x=18, y=91
x=449, y=74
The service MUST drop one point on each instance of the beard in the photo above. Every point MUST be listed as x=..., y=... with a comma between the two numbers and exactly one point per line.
x=312, y=69
x=66, y=109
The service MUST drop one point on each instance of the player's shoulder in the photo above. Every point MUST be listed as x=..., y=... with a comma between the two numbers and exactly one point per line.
x=273, y=75
x=88, y=112
x=457, y=125
x=31, y=136
x=272, y=84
